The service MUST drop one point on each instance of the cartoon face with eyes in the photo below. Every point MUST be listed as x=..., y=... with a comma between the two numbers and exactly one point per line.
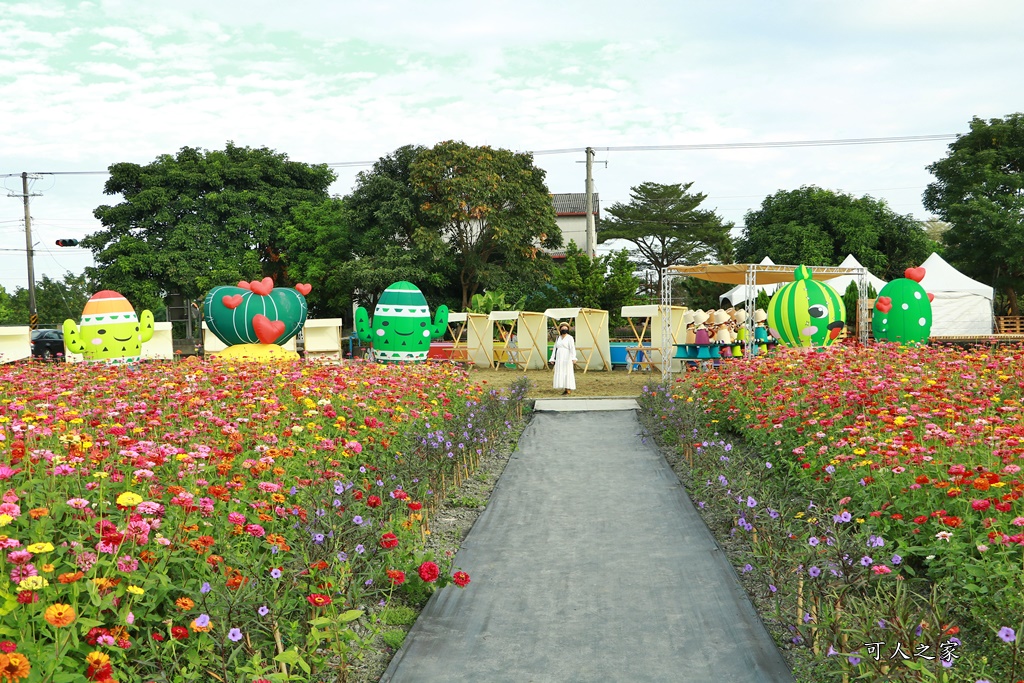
x=110, y=331
x=401, y=328
x=806, y=312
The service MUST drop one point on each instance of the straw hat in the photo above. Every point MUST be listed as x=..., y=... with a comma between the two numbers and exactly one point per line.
x=700, y=317
x=740, y=316
x=721, y=317
x=688, y=318
x=760, y=316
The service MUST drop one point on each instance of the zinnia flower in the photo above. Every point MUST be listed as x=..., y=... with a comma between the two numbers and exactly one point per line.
x=429, y=572
x=397, y=576
x=319, y=600
x=129, y=499
x=59, y=615
x=14, y=666
x=461, y=579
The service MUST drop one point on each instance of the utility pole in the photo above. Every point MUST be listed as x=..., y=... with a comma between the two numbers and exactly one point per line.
x=591, y=227
x=33, y=317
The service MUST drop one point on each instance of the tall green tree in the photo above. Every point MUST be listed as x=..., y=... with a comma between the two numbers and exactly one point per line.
x=667, y=226
x=979, y=190
x=315, y=242
x=605, y=282
x=492, y=207
x=199, y=218
x=813, y=226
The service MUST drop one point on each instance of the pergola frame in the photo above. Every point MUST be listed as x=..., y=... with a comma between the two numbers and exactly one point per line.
x=752, y=275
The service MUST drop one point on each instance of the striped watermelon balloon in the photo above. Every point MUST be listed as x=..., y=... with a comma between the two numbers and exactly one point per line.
x=806, y=312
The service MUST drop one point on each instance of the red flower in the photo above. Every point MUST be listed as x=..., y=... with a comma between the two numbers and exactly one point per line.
x=397, y=576
x=27, y=597
x=158, y=637
x=373, y=501
x=388, y=540
x=920, y=519
x=8, y=646
x=952, y=521
x=429, y=572
x=415, y=505
x=980, y=505
x=318, y=600
x=179, y=632
x=460, y=579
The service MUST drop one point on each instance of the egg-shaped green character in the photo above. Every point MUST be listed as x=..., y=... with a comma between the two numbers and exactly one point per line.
x=806, y=312
x=903, y=313
x=110, y=331
x=401, y=329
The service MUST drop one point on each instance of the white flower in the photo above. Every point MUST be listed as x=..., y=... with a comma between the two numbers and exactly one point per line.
x=944, y=535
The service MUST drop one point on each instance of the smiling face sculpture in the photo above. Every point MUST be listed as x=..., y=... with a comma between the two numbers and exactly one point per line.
x=110, y=331
x=400, y=330
x=806, y=313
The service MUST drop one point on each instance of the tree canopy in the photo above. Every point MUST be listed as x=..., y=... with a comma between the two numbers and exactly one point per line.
x=197, y=219
x=814, y=226
x=56, y=301
x=667, y=227
x=491, y=206
x=979, y=190
x=606, y=282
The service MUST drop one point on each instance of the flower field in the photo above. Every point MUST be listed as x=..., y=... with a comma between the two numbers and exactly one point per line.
x=877, y=493
x=204, y=521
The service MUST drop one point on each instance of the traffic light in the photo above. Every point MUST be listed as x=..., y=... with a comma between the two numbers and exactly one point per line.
x=67, y=243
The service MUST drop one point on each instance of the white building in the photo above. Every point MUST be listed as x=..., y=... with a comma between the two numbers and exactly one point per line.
x=571, y=217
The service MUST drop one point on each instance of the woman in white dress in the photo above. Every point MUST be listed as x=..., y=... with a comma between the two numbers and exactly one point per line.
x=563, y=356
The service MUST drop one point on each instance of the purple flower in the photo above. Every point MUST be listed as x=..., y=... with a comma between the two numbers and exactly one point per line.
x=234, y=635
x=357, y=519
x=747, y=568
x=875, y=541
x=360, y=549
x=812, y=541
x=768, y=465
x=276, y=573
x=205, y=588
x=814, y=572
x=832, y=652
x=342, y=556
x=896, y=559
x=1007, y=634
x=263, y=611
x=751, y=502
x=203, y=621
x=772, y=588
x=866, y=561
x=853, y=660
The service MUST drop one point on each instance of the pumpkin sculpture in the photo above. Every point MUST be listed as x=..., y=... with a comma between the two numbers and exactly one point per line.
x=806, y=313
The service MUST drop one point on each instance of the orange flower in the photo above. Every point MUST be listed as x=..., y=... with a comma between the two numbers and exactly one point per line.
x=59, y=615
x=14, y=666
x=70, y=577
x=185, y=604
x=97, y=659
x=36, y=513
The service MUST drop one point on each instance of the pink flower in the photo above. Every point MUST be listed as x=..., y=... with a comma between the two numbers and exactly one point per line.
x=236, y=518
x=78, y=503
x=881, y=569
x=1018, y=521
x=10, y=509
x=127, y=563
x=19, y=557
x=255, y=530
x=6, y=472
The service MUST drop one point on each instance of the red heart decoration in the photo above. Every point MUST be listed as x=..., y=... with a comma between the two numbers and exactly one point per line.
x=304, y=289
x=232, y=301
x=884, y=304
x=931, y=297
x=267, y=330
x=262, y=287
x=915, y=274
x=244, y=285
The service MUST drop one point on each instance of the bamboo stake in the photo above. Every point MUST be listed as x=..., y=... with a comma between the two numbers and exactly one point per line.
x=800, y=601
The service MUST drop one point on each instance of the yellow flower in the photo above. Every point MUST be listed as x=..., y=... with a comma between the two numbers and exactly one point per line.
x=97, y=659
x=129, y=499
x=100, y=475
x=33, y=583
x=135, y=590
x=5, y=520
x=37, y=548
x=860, y=520
x=47, y=568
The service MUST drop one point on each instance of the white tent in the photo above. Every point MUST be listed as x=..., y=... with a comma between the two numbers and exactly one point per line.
x=739, y=294
x=843, y=281
x=961, y=306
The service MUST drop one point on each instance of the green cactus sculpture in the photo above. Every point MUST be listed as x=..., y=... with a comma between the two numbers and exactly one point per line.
x=400, y=330
x=255, y=312
x=903, y=311
x=110, y=332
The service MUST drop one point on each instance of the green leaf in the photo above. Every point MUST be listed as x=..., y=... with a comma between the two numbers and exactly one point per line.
x=350, y=615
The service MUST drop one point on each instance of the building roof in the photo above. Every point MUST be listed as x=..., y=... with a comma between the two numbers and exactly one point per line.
x=573, y=204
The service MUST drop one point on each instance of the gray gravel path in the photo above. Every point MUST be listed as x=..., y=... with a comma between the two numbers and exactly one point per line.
x=590, y=563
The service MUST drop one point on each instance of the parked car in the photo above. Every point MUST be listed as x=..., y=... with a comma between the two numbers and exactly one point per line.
x=48, y=344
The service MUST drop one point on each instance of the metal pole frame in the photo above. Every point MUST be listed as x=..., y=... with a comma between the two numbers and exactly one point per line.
x=667, y=348
x=862, y=305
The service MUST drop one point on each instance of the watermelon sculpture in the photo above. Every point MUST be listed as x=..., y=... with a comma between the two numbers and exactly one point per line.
x=400, y=330
x=806, y=313
x=254, y=317
x=903, y=310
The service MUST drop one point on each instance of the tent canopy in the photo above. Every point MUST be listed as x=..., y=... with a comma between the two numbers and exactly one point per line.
x=961, y=305
x=843, y=281
x=737, y=273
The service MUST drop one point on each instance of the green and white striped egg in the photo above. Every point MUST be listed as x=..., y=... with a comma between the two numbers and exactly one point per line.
x=806, y=312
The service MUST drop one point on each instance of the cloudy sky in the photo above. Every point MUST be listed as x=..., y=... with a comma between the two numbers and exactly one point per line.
x=88, y=84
